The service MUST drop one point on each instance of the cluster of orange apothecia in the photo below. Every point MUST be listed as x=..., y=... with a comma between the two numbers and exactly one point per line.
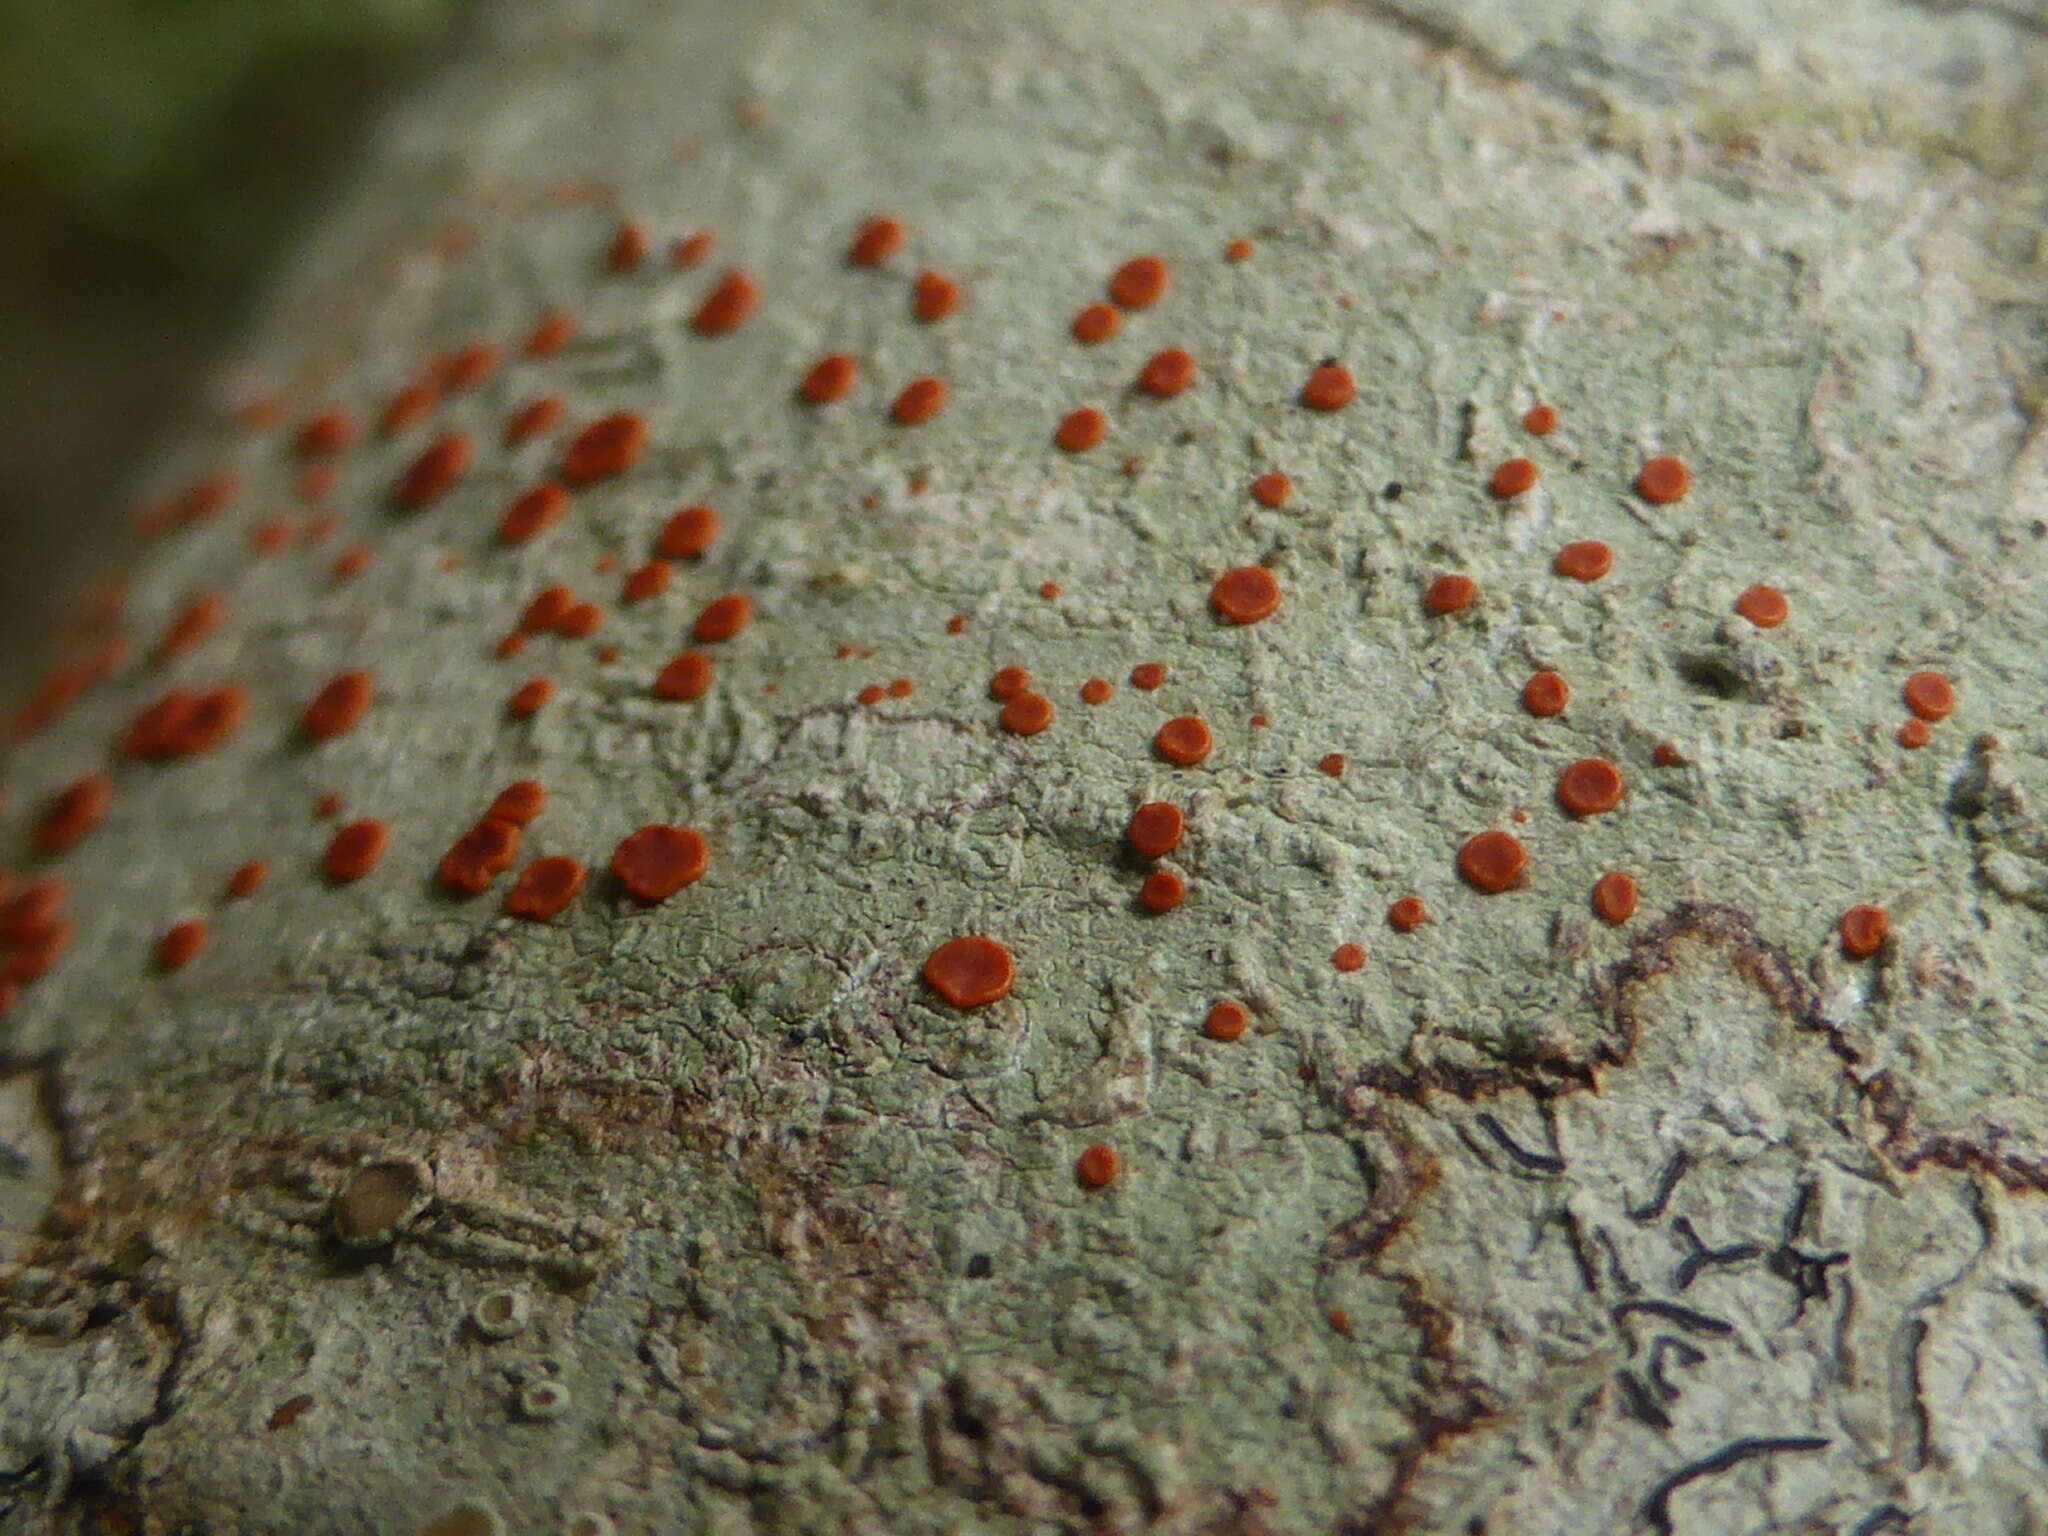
x=655, y=862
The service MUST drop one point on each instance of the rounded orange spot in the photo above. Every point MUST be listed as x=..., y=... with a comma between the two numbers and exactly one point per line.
x=1027, y=714
x=1451, y=594
x=272, y=537
x=1140, y=282
x=1238, y=251
x=72, y=814
x=1765, y=607
x=1588, y=560
x=1082, y=430
x=181, y=945
x=1147, y=676
x=1334, y=764
x=1329, y=388
x=1614, y=898
x=1009, y=682
x=1098, y=1167
x=628, y=248
x=970, y=972
x=330, y=432
x=724, y=617
x=534, y=419
x=878, y=240
x=328, y=806
x=1492, y=861
x=435, y=472
x=1407, y=914
x=545, y=888
x=692, y=250
x=1864, y=930
x=519, y=802
x=351, y=563
x=1546, y=694
x=1930, y=696
x=606, y=448
x=530, y=698
x=685, y=678
x=1663, y=481
x=1162, y=891
x=870, y=696
x=248, y=880
x=195, y=622
x=921, y=400
x=408, y=408
x=1590, y=787
x=1168, y=373
x=1184, y=740
x=831, y=378
x=1349, y=958
x=547, y=610
x=1272, y=489
x=1096, y=324
x=1155, y=829
x=1665, y=755
x=688, y=534
x=957, y=625
x=1540, y=421
x=479, y=856
x=533, y=513
x=553, y=333
x=581, y=621
x=1245, y=595
x=901, y=688
x=1513, y=478
x=337, y=707
x=935, y=297
x=470, y=367
x=1049, y=590
x=1915, y=734
x=647, y=582
x=1097, y=691
x=728, y=306
x=1226, y=1021
x=658, y=860
x=356, y=850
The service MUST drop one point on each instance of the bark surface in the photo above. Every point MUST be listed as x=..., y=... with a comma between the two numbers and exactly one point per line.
x=710, y=1215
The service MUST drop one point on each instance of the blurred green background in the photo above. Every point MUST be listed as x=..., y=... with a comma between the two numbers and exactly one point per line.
x=155, y=159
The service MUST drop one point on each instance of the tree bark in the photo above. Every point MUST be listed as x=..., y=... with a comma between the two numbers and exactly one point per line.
x=393, y=1211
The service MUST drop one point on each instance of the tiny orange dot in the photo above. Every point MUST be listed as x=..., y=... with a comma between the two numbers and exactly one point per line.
x=1588, y=560
x=878, y=240
x=724, y=617
x=1168, y=373
x=1451, y=594
x=1864, y=930
x=1027, y=714
x=1185, y=740
x=1098, y=1167
x=1614, y=898
x=1590, y=787
x=1226, y=1021
x=1329, y=388
x=1540, y=421
x=1097, y=691
x=1239, y=251
x=1349, y=958
x=1155, y=829
x=1140, y=282
x=532, y=696
x=935, y=297
x=1147, y=676
x=1492, y=862
x=1930, y=696
x=688, y=534
x=728, y=306
x=831, y=378
x=1513, y=478
x=1663, y=481
x=870, y=696
x=1096, y=324
x=970, y=972
x=181, y=945
x=1272, y=489
x=921, y=400
x=1407, y=914
x=1245, y=595
x=1008, y=683
x=1082, y=430
x=1546, y=694
x=1765, y=607
x=1915, y=734
x=685, y=679
x=1162, y=891
x=1334, y=765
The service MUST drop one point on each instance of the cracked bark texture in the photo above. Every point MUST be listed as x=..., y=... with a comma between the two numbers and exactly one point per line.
x=1689, y=1226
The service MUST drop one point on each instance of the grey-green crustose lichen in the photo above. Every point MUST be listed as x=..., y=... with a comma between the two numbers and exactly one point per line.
x=1689, y=1224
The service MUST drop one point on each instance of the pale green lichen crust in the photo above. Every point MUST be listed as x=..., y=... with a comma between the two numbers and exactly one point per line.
x=710, y=1215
